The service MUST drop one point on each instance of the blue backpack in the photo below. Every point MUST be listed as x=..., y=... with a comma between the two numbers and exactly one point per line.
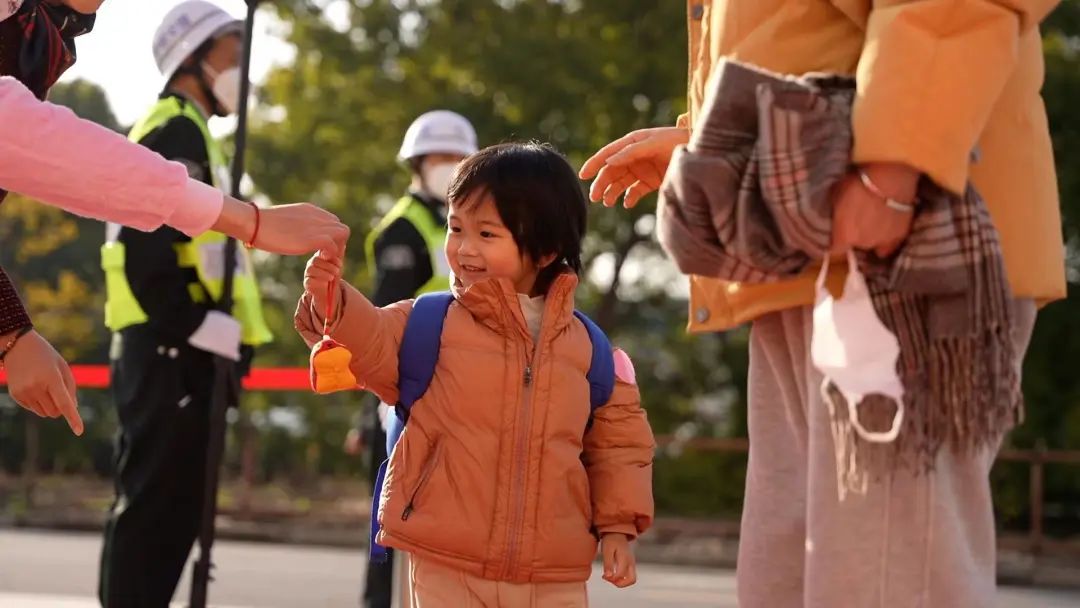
x=417, y=356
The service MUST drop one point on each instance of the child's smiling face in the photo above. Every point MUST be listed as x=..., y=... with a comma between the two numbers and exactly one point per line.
x=479, y=246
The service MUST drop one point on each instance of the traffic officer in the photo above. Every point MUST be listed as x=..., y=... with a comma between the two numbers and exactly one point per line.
x=161, y=291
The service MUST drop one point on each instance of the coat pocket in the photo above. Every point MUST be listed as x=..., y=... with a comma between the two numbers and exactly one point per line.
x=422, y=481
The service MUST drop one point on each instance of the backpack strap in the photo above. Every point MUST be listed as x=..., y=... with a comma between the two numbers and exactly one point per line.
x=419, y=351
x=601, y=373
x=376, y=552
x=417, y=356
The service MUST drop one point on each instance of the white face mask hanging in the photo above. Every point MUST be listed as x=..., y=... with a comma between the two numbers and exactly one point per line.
x=855, y=351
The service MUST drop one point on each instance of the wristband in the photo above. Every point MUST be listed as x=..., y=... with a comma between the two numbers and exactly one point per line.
x=11, y=343
x=890, y=202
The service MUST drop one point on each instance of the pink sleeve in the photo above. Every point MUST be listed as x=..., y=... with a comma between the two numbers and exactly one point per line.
x=51, y=155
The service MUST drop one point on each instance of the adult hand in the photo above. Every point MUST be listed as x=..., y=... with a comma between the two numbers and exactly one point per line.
x=285, y=229
x=862, y=220
x=635, y=164
x=40, y=380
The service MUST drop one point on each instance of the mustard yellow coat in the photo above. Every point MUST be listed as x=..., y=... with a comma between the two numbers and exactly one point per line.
x=936, y=80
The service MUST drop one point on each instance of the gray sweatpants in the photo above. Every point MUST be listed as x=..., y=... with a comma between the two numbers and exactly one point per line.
x=925, y=541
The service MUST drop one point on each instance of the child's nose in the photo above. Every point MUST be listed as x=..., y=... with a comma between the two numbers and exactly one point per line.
x=465, y=247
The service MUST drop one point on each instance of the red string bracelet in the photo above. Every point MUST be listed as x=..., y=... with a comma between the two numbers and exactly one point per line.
x=11, y=343
x=255, y=234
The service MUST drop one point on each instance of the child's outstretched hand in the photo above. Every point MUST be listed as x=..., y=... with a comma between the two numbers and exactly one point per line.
x=620, y=566
x=329, y=361
x=323, y=269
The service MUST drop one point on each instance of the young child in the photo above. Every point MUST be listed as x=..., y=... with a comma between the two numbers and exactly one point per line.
x=500, y=486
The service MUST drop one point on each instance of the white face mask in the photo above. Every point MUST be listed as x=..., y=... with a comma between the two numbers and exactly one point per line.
x=437, y=179
x=855, y=351
x=226, y=87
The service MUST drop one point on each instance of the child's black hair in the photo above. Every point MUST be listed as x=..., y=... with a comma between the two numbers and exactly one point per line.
x=538, y=197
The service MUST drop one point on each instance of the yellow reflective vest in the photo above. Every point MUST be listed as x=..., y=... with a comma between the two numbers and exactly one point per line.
x=205, y=253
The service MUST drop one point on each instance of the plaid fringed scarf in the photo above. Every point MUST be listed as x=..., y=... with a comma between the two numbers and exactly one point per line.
x=748, y=200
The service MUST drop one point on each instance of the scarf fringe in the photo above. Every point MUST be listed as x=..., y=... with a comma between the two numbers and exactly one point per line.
x=962, y=390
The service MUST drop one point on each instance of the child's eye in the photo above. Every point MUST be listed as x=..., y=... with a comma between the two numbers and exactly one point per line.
x=455, y=229
x=485, y=234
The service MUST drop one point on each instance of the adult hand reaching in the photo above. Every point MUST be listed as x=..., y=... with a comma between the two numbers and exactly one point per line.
x=40, y=380
x=285, y=229
x=635, y=164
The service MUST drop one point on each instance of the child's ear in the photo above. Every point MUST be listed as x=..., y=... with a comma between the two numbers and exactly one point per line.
x=546, y=260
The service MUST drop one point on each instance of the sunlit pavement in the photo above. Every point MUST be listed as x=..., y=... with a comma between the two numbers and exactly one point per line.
x=59, y=570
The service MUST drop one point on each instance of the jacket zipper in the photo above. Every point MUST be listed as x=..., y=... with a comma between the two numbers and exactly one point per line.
x=518, y=487
x=429, y=467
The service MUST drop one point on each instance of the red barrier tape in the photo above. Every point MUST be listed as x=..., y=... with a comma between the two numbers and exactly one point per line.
x=260, y=379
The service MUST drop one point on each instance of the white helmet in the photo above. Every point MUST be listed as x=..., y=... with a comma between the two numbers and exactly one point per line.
x=185, y=28
x=438, y=132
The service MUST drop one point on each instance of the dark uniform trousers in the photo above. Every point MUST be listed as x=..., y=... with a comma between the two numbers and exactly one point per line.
x=163, y=398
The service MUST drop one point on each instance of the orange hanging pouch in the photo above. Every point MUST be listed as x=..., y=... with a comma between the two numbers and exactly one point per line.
x=329, y=359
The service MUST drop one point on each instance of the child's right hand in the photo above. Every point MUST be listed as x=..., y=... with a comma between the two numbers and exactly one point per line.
x=620, y=566
x=322, y=271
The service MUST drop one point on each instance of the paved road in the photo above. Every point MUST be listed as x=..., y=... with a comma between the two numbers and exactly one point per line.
x=58, y=570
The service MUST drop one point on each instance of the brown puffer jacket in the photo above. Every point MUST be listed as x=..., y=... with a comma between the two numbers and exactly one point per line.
x=495, y=473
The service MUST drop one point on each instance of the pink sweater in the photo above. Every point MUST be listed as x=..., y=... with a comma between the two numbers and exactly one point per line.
x=51, y=155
